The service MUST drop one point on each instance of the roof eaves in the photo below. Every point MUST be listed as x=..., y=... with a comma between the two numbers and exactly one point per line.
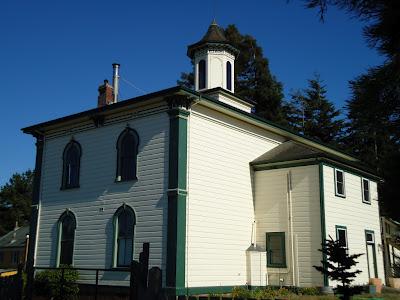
x=99, y=110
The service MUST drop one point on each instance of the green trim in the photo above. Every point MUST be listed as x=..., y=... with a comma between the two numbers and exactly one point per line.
x=322, y=216
x=362, y=190
x=284, y=164
x=335, y=183
x=176, y=242
x=337, y=227
x=373, y=252
x=268, y=235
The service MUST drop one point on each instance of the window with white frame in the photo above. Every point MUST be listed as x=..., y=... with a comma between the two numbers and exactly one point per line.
x=366, y=197
x=339, y=183
x=341, y=236
x=124, y=231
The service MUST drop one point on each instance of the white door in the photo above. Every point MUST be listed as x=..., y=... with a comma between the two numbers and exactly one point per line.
x=371, y=254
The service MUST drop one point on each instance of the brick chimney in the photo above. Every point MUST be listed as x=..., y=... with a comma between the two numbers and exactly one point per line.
x=106, y=96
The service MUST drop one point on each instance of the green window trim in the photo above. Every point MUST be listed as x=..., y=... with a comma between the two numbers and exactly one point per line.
x=282, y=237
x=368, y=201
x=337, y=193
x=344, y=228
x=373, y=252
x=121, y=209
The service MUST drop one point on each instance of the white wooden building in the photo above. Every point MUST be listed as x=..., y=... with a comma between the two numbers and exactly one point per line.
x=216, y=190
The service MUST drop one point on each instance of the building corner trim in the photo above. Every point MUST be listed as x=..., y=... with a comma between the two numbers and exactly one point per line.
x=322, y=215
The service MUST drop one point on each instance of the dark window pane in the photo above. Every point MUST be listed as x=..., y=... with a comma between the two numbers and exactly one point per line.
x=71, y=165
x=67, y=239
x=340, y=189
x=370, y=237
x=366, y=190
x=342, y=237
x=127, y=153
x=202, y=74
x=126, y=225
x=229, y=76
x=339, y=176
x=276, y=249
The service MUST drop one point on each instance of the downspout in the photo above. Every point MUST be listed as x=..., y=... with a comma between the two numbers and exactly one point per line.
x=289, y=176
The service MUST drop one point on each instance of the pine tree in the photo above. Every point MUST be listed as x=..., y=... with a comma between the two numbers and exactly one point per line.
x=339, y=264
x=310, y=113
x=15, y=201
x=253, y=79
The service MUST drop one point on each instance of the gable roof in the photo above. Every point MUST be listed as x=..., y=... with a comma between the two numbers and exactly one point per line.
x=324, y=150
x=15, y=238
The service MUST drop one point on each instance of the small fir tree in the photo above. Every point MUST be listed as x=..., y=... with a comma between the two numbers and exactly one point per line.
x=338, y=265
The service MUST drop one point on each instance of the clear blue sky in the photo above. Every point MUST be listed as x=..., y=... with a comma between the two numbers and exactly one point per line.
x=54, y=54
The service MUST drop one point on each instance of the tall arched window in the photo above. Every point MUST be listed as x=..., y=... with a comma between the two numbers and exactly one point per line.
x=127, y=148
x=124, y=230
x=202, y=74
x=229, y=76
x=71, y=165
x=66, y=237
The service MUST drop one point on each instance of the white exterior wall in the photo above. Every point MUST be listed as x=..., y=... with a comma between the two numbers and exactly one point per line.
x=272, y=215
x=356, y=216
x=216, y=61
x=99, y=196
x=220, y=209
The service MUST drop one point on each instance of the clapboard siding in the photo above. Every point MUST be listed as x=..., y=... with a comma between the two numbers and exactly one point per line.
x=220, y=208
x=99, y=196
x=272, y=215
x=356, y=216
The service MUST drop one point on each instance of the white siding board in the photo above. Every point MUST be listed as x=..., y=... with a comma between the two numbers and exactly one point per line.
x=356, y=216
x=99, y=191
x=220, y=208
x=271, y=209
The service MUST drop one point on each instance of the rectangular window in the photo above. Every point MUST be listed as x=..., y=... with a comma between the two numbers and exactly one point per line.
x=1, y=256
x=341, y=236
x=365, y=191
x=276, y=253
x=15, y=258
x=339, y=183
x=369, y=237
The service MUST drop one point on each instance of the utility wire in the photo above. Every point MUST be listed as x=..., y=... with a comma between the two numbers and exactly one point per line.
x=132, y=85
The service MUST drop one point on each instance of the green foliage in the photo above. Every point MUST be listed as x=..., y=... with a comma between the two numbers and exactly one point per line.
x=48, y=284
x=253, y=79
x=15, y=201
x=309, y=291
x=260, y=293
x=310, y=113
x=339, y=264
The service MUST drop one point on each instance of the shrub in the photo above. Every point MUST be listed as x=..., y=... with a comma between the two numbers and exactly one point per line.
x=309, y=291
x=49, y=283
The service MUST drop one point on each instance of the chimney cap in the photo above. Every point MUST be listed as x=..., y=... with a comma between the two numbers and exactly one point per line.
x=116, y=64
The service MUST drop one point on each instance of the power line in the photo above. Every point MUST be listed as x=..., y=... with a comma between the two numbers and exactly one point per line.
x=132, y=85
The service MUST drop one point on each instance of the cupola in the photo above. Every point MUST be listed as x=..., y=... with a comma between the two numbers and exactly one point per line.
x=214, y=60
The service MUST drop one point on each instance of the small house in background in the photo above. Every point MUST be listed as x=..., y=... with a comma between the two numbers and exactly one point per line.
x=13, y=247
x=391, y=250
x=224, y=197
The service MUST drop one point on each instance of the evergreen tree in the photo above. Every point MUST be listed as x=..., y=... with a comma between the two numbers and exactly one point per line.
x=310, y=113
x=339, y=264
x=253, y=79
x=15, y=201
x=373, y=129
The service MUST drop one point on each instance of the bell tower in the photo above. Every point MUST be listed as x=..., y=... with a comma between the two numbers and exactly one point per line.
x=214, y=60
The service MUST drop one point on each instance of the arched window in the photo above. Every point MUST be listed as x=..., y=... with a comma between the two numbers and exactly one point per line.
x=124, y=230
x=66, y=237
x=229, y=76
x=202, y=74
x=127, y=148
x=71, y=164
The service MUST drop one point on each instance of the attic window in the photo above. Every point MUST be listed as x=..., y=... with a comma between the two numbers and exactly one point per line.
x=339, y=183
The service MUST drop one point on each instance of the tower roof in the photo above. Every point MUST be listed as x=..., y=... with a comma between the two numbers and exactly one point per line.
x=214, y=36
